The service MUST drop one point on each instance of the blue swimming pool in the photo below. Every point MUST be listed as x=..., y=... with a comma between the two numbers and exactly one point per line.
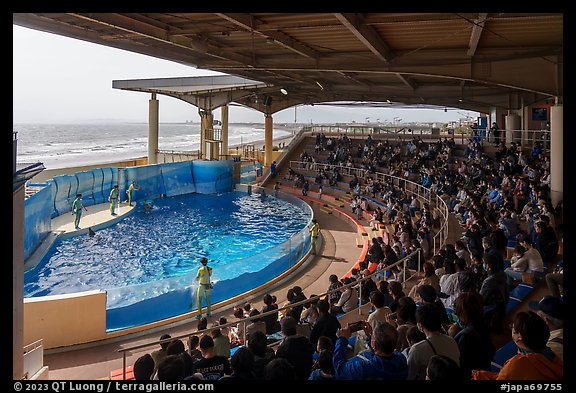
x=151, y=254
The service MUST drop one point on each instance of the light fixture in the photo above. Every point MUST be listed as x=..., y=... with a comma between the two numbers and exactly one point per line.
x=283, y=91
x=388, y=101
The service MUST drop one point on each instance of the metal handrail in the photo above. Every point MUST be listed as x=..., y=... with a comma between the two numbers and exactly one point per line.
x=402, y=261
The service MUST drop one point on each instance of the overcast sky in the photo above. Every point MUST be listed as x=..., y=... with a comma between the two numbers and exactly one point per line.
x=61, y=80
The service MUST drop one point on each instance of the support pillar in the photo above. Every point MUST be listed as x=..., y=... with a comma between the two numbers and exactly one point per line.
x=206, y=134
x=18, y=284
x=512, y=127
x=224, y=132
x=153, y=130
x=556, y=154
x=268, y=124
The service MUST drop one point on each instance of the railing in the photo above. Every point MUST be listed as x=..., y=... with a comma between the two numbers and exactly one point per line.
x=402, y=262
x=177, y=156
x=33, y=358
x=409, y=186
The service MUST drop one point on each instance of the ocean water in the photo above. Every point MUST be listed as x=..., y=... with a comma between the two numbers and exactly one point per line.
x=65, y=145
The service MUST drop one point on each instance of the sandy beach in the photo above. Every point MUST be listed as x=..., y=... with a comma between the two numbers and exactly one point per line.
x=282, y=140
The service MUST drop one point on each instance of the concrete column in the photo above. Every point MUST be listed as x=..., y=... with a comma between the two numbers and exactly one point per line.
x=18, y=284
x=224, y=135
x=512, y=127
x=153, y=130
x=556, y=154
x=268, y=124
x=206, y=133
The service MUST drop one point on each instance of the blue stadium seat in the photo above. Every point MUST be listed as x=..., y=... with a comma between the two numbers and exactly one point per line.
x=503, y=353
x=518, y=294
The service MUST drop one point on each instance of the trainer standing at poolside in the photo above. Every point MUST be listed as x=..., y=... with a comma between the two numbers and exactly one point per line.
x=204, y=286
x=113, y=199
x=131, y=188
x=314, y=231
x=77, y=207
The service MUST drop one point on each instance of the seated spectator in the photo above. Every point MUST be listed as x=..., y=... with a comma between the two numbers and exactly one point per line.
x=193, y=351
x=555, y=280
x=462, y=252
x=430, y=278
x=280, y=369
x=378, y=316
x=211, y=366
x=551, y=310
x=221, y=342
x=143, y=368
x=383, y=287
x=188, y=364
x=404, y=318
x=176, y=347
x=256, y=324
x=310, y=313
x=546, y=242
x=295, y=348
x=436, y=343
x=494, y=292
x=325, y=369
x=237, y=332
x=335, y=283
x=413, y=336
x=443, y=368
x=202, y=324
x=262, y=353
x=296, y=311
x=534, y=361
x=530, y=261
x=241, y=364
x=160, y=354
x=326, y=325
x=396, y=291
x=380, y=362
x=473, y=338
x=367, y=286
x=224, y=330
x=171, y=368
x=271, y=321
x=428, y=295
x=348, y=300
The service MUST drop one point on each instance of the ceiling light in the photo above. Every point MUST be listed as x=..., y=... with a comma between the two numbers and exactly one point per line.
x=283, y=91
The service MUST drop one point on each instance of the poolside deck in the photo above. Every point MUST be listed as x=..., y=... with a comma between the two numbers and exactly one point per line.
x=97, y=216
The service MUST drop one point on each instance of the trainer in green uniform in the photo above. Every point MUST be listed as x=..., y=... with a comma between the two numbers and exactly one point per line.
x=204, y=286
x=131, y=188
x=77, y=207
x=113, y=199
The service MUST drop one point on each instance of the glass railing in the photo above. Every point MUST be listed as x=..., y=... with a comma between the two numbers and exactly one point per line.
x=177, y=295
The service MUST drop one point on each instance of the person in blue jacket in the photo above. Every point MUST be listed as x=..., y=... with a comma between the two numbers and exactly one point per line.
x=381, y=362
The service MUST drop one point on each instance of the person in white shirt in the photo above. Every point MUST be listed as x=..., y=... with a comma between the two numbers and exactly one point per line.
x=348, y=300
x=530, y=262
x=429, y=321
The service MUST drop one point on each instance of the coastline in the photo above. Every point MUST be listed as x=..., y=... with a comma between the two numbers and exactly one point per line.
x=70, y=167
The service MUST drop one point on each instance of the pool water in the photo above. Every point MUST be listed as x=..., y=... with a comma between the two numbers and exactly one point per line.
x=167, y=242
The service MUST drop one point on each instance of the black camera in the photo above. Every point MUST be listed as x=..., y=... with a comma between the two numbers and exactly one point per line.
x=356, y=326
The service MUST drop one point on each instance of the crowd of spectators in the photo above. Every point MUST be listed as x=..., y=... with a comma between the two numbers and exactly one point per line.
x=441, y=328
